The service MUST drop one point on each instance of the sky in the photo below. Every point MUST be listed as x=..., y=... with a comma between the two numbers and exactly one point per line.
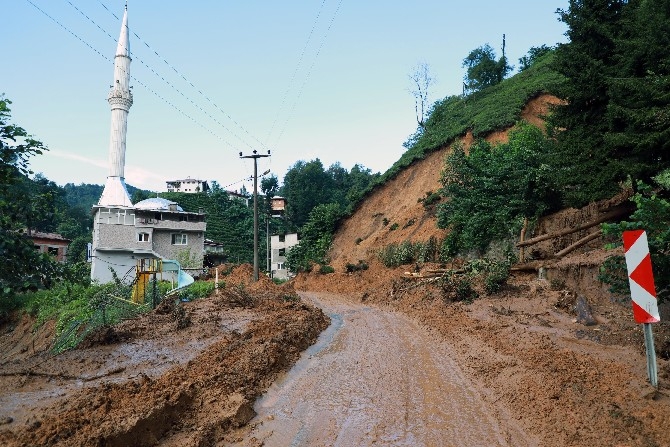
x=326, y=79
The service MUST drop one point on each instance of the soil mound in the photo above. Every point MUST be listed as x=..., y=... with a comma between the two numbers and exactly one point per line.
x=180, y=385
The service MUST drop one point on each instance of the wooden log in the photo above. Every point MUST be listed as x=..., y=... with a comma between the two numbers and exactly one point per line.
x=604, y=218
x=577, y=244
x=522, y=238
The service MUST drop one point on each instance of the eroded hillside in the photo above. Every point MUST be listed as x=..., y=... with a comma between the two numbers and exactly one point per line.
x=394, y=212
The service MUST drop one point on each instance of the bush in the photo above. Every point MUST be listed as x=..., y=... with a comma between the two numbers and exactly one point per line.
x=653, y=216
x=351, y=268
x=326, y=269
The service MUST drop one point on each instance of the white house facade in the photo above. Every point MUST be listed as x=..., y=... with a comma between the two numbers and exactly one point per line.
x=280, y=244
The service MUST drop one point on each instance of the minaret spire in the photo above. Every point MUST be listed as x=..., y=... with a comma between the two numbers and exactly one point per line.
x=120, y=100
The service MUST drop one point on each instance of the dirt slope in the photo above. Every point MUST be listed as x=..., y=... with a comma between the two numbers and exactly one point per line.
x=364, y=233
x=567, y=381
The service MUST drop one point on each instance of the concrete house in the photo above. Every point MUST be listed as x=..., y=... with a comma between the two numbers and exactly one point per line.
x=188, y=185
x=280, y=244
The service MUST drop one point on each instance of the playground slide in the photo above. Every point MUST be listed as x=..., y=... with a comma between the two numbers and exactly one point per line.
x=183, y=278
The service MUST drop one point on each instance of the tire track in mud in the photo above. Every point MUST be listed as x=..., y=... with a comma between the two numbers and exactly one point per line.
x=376, y=378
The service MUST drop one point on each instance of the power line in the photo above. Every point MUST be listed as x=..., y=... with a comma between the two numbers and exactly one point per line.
x=133, y=77
x=297, y=67
x=180, y=74
x=171, y=85
x=309, y=71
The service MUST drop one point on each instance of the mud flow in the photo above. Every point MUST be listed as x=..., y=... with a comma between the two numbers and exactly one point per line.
x=375, y=377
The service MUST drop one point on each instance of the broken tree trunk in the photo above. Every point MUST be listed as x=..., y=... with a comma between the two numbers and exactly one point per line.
x=578, y=244
x=604, y=218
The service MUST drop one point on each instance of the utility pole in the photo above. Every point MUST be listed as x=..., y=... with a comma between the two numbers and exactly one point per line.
x=255, y=155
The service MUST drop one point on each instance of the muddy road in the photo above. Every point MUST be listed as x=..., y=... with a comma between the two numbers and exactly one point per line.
x=375, y=377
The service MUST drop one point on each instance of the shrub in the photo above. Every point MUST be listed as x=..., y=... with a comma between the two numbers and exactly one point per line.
x=326, y=269
x=394, y=227
x=359, y=240
x=362, y=265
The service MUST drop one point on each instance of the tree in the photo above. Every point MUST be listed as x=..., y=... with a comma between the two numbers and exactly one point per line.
x=615, y=121
x=533, y=55
x=483, y=70
x=306, y=185
x=421, y=81
x=315, y=239
x=492, y=188
x=21, y=265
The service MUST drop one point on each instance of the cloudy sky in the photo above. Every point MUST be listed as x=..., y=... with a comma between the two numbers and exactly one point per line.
x=325, y=79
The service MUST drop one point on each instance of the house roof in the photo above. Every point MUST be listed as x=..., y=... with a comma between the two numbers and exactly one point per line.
x=51, y=236
x=186, y=180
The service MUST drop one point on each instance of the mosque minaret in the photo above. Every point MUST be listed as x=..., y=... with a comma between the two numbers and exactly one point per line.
x=120, y=99
x=127, y=238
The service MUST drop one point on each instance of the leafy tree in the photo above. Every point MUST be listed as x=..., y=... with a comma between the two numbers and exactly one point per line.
x=586, y=167
x=306, y=185
x=533, y=55
x=483, y=70
x=229, y=220
x=21, y=265
x=493, y=188
x=315, y=239
x=653, y=216
x=139, y=195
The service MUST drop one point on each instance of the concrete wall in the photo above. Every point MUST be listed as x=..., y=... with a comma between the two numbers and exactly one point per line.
x=120, y=262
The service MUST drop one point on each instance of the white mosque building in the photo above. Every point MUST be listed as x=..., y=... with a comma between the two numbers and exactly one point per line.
x=155, y=228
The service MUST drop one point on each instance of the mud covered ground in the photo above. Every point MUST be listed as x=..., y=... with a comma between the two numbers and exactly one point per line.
x=564, y=382
x=148, y=381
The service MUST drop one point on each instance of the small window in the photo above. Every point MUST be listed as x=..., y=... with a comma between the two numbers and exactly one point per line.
x=53, y=251
x=142, y=237
x=282, y=237
x=282, y=252
x=179, y=239
x=183, y=217
x=280, y=266
x=157, y=216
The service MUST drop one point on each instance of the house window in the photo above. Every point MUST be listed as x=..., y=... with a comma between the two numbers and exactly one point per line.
x=142, y=237
x=280, y=266
x=53, y=251
x=179, y=239
x=282, y=237
x=282, y=252
x=157, y=216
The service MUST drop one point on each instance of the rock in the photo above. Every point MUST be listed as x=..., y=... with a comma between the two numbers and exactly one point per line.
x=6, y=420
x=584, y=312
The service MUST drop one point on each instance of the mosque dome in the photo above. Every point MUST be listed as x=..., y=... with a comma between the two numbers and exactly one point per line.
x=157, y=204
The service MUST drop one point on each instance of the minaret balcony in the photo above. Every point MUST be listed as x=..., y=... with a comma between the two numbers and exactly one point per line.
x=120, y=98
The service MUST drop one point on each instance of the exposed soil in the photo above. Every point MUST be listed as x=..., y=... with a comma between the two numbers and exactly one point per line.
x=152, y=381
x=552, y=360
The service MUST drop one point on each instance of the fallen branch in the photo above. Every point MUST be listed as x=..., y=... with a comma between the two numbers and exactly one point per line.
x=604, y=218
x=578, y=244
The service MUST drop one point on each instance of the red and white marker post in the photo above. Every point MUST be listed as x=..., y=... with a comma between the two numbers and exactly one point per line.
x=642, y=292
